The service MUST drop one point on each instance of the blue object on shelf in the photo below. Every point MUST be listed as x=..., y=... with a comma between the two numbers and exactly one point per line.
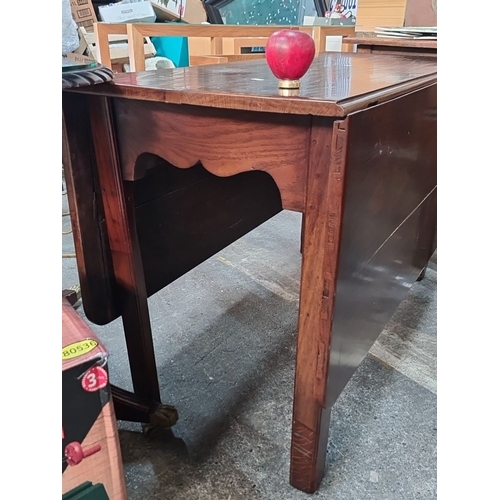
x=174, y=48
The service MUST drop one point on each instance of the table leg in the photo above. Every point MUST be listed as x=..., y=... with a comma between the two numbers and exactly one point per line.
x=421, y=276
x=302, y=233
x=322, y=216
x=119, y=209
x=427, y=235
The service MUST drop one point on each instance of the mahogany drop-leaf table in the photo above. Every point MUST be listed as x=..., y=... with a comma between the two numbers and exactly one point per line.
x=166, y=168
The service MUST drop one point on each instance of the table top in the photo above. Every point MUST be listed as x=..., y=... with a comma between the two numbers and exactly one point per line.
x=391, y=42
x=337, y=84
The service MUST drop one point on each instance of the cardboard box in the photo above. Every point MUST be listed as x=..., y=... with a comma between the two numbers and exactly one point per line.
x=189, y=11
x=79, y=58
x=136, y=12
x=91, y=455
x=373, y=13
x=83, y=13
x=421, y=13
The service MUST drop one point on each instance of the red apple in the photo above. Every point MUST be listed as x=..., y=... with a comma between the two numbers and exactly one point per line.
x=289, y=54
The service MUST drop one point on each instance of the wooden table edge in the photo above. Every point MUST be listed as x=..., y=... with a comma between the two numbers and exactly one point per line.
x=391, y=42
x=265, y=104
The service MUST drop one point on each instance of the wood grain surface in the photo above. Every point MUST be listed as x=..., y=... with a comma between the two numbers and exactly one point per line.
x=391, y=42
x=335, y=85
x=226, y=143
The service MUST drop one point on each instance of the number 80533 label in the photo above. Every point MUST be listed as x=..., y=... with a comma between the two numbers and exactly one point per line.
x=78, y=348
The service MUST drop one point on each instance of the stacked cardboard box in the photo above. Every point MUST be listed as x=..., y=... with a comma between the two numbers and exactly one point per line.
x=83, y=13
x=145, y=11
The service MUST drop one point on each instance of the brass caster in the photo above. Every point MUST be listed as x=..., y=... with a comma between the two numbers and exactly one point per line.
x=164, y=416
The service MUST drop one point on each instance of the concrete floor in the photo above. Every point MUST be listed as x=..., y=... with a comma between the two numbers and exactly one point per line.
x=225, y=345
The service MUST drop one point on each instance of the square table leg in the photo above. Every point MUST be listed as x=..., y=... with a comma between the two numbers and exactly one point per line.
x=320, y=247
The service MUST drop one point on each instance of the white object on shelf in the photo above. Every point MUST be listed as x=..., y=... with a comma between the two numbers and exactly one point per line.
x=333, y=44
x=128, y=12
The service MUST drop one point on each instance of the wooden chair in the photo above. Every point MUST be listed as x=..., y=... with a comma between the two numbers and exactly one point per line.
x=215, y=34
x=118, y=48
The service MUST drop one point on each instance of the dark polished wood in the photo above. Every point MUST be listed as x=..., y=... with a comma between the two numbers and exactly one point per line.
x=390, y=182
x=395, y=46
x=321, y=240
x=93, y=256
x=335, y=85
x=282, y=153
x=214, y=213
x=180, y=163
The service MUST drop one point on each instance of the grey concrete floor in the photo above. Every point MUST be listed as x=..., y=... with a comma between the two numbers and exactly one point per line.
x=225, y=346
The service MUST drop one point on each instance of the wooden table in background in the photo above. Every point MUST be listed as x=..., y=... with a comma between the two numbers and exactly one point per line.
x=165, y=168
x=395, y=46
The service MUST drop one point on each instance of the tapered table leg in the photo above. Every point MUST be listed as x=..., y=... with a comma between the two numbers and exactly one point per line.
x=320, y=235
